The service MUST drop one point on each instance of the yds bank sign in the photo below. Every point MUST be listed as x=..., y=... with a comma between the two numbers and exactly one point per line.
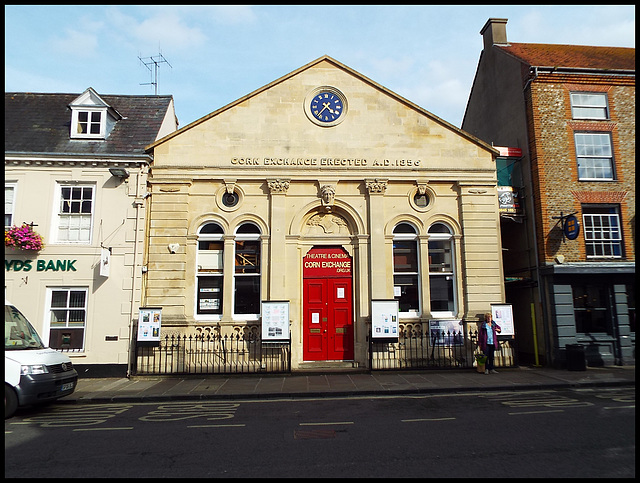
x=39, y=265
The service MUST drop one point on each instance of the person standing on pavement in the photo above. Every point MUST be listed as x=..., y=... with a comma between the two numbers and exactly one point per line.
x=488, y=341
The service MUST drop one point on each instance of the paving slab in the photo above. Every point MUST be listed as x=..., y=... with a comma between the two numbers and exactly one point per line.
x=226, y=386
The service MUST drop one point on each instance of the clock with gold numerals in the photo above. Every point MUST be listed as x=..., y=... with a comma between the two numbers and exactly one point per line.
x=326, y=106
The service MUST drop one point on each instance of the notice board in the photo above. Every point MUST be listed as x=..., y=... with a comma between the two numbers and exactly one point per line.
x=502, y=314
x=149, y=324
x=384, y=319
x=275, y=321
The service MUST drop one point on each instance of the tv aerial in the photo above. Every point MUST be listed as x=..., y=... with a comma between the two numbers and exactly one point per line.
x=154, y=61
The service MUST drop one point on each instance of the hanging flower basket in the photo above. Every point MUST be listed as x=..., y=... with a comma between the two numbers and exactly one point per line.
x=23, y=237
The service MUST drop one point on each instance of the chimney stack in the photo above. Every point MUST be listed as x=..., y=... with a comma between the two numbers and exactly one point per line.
x=494, y=32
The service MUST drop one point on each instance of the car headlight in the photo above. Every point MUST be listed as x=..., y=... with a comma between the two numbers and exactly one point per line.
x=34, y=369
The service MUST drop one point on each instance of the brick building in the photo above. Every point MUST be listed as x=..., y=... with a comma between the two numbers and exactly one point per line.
x=569, y=259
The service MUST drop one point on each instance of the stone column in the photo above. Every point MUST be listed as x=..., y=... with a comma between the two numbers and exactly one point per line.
x=277, y=253
x=378, y=275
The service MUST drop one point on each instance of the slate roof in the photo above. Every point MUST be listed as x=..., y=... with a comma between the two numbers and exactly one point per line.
x=573, y=56
x=40, y=123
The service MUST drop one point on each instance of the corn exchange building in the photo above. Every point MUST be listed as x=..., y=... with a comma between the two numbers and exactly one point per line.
x=326, y=191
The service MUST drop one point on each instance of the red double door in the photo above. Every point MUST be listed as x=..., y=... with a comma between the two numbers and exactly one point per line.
x=328, y=306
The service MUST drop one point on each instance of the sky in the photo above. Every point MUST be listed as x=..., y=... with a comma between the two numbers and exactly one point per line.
x=217, y=54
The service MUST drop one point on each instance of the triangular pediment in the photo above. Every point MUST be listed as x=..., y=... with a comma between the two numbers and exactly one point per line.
x=292, y=89
x=91, y=99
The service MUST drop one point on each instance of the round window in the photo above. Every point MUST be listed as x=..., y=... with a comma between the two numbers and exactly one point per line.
x=230, y=199
x=421, y=201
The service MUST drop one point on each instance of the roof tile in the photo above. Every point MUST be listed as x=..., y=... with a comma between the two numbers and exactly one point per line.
x=573, y=56
x=40, y=123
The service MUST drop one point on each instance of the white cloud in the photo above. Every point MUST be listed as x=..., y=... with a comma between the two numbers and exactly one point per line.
x=169, y=30
x=233, y=14
x=77, y=43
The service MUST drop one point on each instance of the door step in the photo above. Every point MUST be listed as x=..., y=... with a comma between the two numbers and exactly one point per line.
x=329, y=366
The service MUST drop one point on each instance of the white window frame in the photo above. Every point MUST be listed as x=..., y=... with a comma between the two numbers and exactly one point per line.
x=10, y=206
x=411, y=237
x=446, y=237
x=60, y=215
x=75, y=123
x=46, y=336
x=586, y=105
x=217, y=237
x=595, y=160
x=602, y=232
x=246, y=237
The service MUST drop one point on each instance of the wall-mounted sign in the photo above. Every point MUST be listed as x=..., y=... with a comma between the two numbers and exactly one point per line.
x=509, y=152
x=149, y=323
x=502, y=314
x=105, y=258
x=40, y=265
x=384, y=319
x=275, y=321
x=327, y=262
x=446, y=332
x=508, y=201
x=571, y=227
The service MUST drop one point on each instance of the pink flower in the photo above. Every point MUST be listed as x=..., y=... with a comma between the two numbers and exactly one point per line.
x=23, y=237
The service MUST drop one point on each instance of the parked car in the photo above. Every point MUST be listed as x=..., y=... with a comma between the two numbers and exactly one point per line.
x=33, y=373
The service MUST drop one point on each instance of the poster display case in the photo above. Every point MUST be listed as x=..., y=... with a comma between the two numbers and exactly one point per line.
x=275, y=321
x=384, y=320
x=149, y=325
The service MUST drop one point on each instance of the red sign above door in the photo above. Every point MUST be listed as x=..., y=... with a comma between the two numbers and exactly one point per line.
x=327, y=263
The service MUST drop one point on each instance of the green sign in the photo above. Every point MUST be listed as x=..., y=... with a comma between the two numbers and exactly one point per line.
x=39, y=265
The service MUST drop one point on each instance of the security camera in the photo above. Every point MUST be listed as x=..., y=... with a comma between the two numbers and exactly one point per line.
x=173, y=247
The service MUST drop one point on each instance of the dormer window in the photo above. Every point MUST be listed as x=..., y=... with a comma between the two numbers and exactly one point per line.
x=91, y=116
x=88, y=123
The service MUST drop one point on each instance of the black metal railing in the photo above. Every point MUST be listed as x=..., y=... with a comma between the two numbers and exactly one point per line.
x=422, y=349
x=212, y=354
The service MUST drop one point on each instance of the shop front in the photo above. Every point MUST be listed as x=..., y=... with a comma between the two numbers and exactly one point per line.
x=326, y=191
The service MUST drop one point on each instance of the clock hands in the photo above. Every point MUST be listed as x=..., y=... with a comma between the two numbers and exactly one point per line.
x=326, y=106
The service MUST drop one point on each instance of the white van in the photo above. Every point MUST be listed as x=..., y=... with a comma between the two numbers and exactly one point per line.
x=33, y=373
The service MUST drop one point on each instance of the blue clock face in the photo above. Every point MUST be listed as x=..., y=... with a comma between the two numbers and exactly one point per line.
x=326, y=106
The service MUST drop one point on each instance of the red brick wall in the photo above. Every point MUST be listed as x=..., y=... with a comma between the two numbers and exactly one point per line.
x=554, y=163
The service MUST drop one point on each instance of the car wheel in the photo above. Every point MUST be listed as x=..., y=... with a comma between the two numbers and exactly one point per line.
x=10, y=401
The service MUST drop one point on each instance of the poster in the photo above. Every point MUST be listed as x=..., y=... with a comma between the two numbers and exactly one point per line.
x=446, y=332
x=149, y=322
x=384, y=319
x=275, y=321
x=502, y=314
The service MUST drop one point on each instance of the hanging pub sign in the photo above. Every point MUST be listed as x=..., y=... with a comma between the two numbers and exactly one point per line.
x=384, y=319
x=105, y=258
x=571, y=227
x=149, y=323
x=275, y=321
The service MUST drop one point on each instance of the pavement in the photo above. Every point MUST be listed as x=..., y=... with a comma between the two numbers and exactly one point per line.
x=343, y=384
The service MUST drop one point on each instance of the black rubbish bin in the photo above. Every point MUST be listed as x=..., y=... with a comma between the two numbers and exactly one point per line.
x=576, y=360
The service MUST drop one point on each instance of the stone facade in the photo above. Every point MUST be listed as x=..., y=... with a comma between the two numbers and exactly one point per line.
x=304, y=185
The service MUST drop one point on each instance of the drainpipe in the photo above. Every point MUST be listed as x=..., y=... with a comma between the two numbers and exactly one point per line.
x=137, y=203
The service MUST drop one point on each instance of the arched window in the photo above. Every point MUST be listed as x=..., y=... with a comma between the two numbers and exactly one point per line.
x=442, y=281
x=210, y=260
x=247, y=271
x=406, y=269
